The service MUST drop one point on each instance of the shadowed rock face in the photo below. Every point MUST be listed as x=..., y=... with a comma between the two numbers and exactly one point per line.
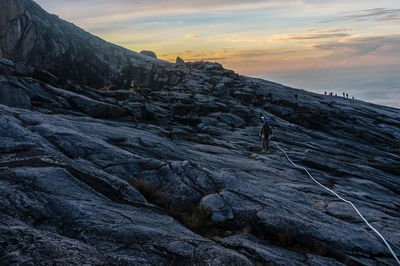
x=30, y=35
x=69, y=154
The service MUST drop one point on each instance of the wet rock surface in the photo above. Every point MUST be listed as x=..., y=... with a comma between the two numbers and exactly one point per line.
x=173, y=174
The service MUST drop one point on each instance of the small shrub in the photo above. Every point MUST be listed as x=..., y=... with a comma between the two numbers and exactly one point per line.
x=285, y=239
x=145, y=188
x=262, y=263
x=247, y=229
x=317, y=248
x=200, y=219
x=290, y=240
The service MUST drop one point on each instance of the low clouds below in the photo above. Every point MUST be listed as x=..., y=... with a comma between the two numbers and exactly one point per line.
x=380, y=85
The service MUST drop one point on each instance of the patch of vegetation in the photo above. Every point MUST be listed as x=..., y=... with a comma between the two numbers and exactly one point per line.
x=292, y=241
x=145, y=188
x=197, y=218
x=304, y=244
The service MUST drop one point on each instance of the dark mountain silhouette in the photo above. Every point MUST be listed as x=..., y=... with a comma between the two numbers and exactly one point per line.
x=32, y=36
x=172, y=174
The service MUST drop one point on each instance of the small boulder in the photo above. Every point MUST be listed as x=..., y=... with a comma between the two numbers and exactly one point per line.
x=149, y=53
x=220, y=210
x=220, y=89
x=179, y=61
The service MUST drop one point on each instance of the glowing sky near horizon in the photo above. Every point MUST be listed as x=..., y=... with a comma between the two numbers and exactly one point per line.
x=251, y=37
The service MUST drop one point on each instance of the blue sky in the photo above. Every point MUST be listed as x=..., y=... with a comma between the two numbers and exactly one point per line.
x=256, y=37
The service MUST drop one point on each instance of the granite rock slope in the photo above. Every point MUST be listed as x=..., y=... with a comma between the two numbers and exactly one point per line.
x=173, y=174
x=72, y=157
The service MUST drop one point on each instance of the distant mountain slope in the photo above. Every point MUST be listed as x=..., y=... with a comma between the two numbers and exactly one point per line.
x=30, y=35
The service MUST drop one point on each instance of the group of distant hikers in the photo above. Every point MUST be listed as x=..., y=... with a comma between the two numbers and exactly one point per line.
x=345, y=95
x=266, y=130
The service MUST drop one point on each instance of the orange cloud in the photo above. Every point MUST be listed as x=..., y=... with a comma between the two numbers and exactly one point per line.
x=192, y=36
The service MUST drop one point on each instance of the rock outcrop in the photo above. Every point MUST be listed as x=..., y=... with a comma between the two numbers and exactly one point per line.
x=179, y=61
x=149, y=53
x=173, y=175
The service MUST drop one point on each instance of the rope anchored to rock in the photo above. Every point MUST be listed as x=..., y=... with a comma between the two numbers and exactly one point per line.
x=347, y=201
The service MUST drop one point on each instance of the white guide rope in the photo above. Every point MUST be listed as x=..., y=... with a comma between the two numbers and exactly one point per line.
x=349, y=202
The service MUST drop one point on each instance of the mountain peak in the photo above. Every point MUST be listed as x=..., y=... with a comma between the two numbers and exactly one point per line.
x=31, y=36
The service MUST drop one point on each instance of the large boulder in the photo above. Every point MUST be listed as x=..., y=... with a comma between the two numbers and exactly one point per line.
x=149, y=53
x=221, y=212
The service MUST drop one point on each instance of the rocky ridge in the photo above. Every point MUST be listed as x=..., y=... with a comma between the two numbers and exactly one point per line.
x=29, y=35
x=173, y=174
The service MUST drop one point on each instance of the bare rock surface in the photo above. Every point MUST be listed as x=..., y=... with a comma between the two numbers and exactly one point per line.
x=173, y=174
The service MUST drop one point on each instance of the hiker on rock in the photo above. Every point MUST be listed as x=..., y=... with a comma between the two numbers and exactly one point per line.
x=133, y=87
x=265, y=135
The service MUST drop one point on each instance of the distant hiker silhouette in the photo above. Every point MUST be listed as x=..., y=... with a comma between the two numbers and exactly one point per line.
x=347, y=95
x=133, y=87
x=265, y=135
x=161, y=85
x=296, y=96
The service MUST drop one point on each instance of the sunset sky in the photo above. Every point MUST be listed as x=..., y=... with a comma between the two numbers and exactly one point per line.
x=267, y=38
